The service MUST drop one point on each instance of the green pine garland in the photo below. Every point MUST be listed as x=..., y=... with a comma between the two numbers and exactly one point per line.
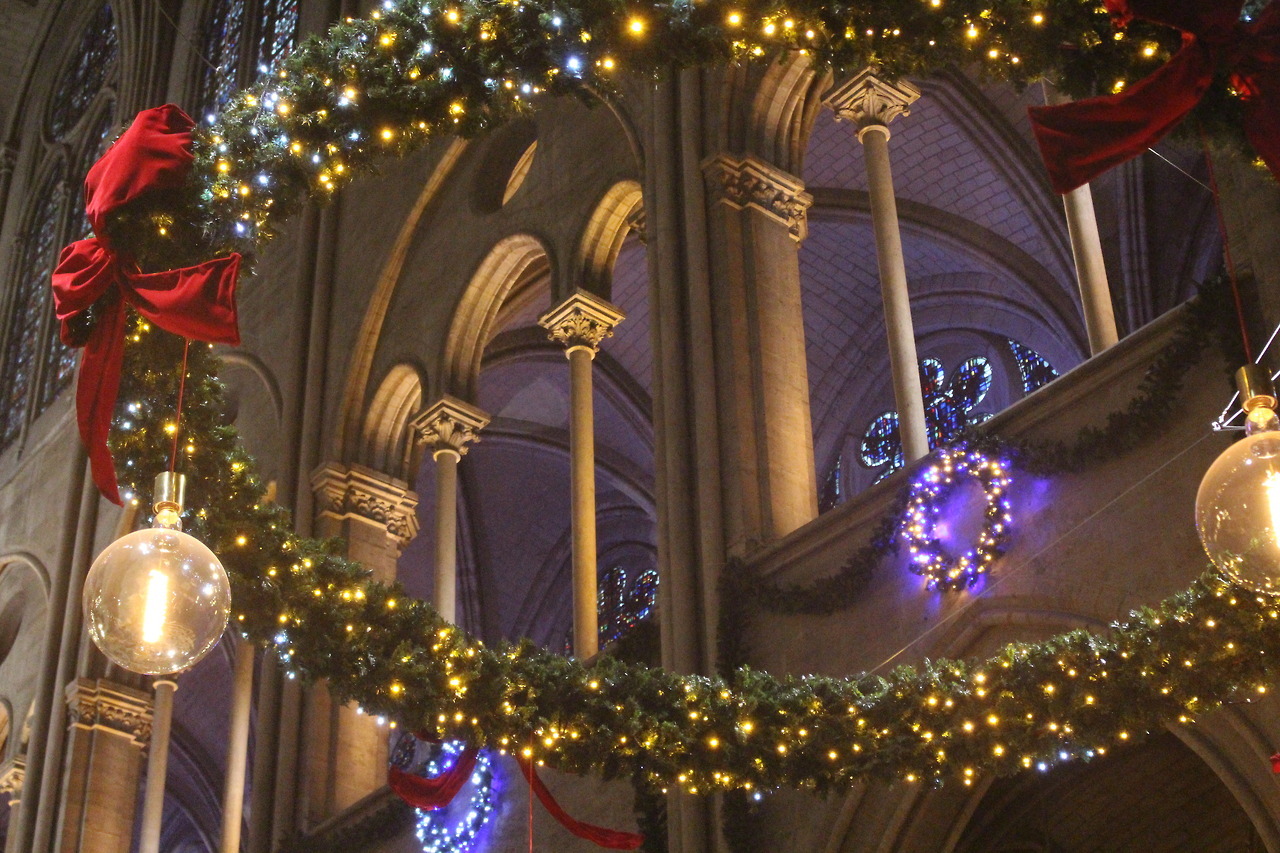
x=373, y=88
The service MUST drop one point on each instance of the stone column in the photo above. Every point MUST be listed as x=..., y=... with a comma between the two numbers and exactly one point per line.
x=1086, y=250
x=157, y=766
x=110, y=726
x=580, y=323
x=447, y=428
x=12, y=773
x=237, y=748
x=375, y=514
x=757, y=216
x=871, y=103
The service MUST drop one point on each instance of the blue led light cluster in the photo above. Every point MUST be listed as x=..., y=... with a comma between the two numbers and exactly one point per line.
x=452, y=829
x=923, y=521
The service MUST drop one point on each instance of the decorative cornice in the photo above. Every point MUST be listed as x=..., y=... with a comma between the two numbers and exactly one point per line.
x=12, y=774
x=450, y=424
x=869, y=101
x=747, y=182
x=102, y=704
x=344, y=492
x=582, y=320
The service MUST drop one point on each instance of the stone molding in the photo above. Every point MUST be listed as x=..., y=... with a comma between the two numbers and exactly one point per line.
x=582, y=320
x=344, y=492
x=637, y=222
x=102, y=704
x=8, y=160
x=869, y=101
x=12, y=774
x=450, y=424
x=748, y=182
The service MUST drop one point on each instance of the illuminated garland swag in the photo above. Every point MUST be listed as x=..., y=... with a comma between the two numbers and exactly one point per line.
x=1073, y=696
x=386, y=86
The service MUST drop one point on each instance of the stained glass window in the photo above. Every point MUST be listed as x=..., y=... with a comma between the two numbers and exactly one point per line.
x=949, y=408
x=279, y=31
x=833, y=488
x=1035, y=369
x=223, y=36
x=624, y=602
x=83, y=78
x=36, y=255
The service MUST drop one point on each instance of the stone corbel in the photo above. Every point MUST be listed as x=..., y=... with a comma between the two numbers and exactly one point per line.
x=747, y=182
x=344, y=492
x=104, y=705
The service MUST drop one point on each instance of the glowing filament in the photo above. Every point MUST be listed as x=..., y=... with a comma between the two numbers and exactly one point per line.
x=156, y=607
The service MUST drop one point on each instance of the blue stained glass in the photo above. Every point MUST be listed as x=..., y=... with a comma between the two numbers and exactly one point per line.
x=223, y=36
x=1035, y=369
x=623, y=602
x=278, y=33
x=31, y=305
x=83, y=78
x=833, y=488
x=948, y=411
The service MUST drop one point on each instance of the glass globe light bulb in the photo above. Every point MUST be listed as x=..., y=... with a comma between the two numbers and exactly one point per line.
x=157, y=600
x=1238, y=504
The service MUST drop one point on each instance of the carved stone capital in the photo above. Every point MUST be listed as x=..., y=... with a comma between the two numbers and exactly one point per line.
x=12, y=774
x=102, y=704
x=582, y=320
x=868, y=101
x=357, y=492
x=748, y=182
x=450, y=424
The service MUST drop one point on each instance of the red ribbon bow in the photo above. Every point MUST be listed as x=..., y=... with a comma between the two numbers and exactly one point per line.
x=195, y=302
x=1081, y=140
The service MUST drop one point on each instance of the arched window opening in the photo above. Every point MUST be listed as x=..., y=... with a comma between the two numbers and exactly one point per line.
x=89, y=69
x=954, y=401
x=277, y=33
x=240, y=32
x=30, y=307
x=222, y=39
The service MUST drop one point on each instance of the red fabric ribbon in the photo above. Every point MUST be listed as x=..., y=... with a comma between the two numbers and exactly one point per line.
x=609, y=839
x=195, y=302
x=1275, y=763
x=1082, y=139
x=438, y=791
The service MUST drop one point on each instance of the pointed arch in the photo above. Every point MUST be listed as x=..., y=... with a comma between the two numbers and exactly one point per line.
x=515, y=261
x=386, y=441
x=613, y=218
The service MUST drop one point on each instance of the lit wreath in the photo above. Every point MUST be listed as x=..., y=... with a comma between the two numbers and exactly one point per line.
x=438, y=833
x=929, y=557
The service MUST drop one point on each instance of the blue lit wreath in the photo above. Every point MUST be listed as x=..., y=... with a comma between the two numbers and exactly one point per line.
x=452, y=829
x=922, y=523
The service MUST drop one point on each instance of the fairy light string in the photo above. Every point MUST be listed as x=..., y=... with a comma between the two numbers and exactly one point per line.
x=414, y=71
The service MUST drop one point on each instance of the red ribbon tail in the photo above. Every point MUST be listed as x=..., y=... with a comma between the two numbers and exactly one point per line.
x=1083, y=139
x=609, y=839
x=96, y=394
x=436, y=792
x=1262, y=126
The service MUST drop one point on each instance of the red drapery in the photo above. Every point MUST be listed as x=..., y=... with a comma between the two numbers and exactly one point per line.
x=195, y=302
x=1082, y=139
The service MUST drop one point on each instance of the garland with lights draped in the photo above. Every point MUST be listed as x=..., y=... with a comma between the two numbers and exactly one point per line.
x=413, y=72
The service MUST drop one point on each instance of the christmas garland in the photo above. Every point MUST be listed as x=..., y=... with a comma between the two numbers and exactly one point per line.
x=412, y=72
x=1074, y=696
x=419, y=69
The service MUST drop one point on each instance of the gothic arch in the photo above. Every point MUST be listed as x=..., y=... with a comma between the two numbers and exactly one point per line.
x=771, y=112
x=360, y=367
x=515, y=260
x=386, y=441
x=602, y=239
